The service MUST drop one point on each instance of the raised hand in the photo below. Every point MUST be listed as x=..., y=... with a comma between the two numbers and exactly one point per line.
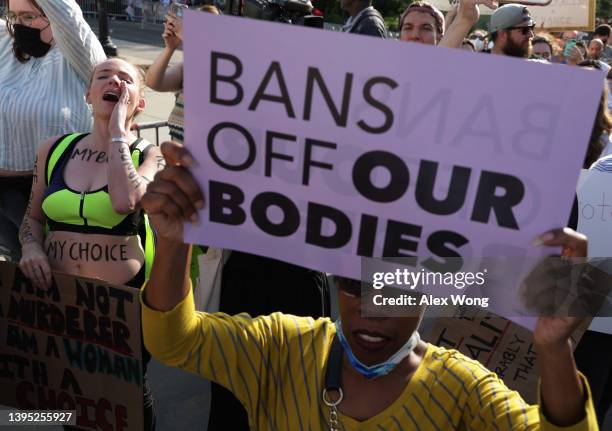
x=175, y=25
x=469, y=12
x=553, y=332
x=118, y=124
x=171, y=39
x=174, y=196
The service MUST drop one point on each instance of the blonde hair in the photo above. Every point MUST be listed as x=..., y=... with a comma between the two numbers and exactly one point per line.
x=209, y=8
x=140, y=74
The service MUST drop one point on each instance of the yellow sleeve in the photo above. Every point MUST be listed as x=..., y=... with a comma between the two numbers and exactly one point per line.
x=588, y=423
x=492, y=405
x=491, y=402
x=234, y=351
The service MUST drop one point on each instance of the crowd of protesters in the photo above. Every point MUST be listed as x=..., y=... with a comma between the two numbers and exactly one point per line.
x=75, y=179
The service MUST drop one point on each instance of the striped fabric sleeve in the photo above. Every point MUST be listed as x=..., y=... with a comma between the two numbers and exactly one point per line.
x=588, y=423
x=603, y=165
x=234, y=351
x=492, y=406
x=74, y=36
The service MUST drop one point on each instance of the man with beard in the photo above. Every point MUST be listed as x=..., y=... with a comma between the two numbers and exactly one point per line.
x=511, y=29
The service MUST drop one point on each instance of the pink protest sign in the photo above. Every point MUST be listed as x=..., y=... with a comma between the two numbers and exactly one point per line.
x=317, y=147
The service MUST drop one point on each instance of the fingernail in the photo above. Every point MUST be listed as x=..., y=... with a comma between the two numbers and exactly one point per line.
x=543, y=238
x=199, y=205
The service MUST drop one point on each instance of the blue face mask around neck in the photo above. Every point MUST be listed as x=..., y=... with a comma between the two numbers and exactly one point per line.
x=383, y=368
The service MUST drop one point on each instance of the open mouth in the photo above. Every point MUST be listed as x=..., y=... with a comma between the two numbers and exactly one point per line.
x=369, y=340
x=109, y=96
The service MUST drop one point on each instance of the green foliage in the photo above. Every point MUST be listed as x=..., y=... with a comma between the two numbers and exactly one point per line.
x=603, y=9
x=390, y=9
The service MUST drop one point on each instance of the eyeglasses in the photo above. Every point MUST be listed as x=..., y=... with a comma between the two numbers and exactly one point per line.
x=525, y=29
x=25, y=18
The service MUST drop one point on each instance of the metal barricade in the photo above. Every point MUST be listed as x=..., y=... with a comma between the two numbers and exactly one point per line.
x=134, y=10
x=89, y=7
x=147, y=126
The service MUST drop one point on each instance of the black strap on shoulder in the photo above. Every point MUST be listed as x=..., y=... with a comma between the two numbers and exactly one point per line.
x=333, y=373
x=144, y=150
x=76, y=138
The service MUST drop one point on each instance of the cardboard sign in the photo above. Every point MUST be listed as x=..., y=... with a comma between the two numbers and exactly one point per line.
x=561, y=15
x=502, y=346
x=319, y=162
x=75, y=347
x=558, y=15
x=595, y=221
x=446, y=5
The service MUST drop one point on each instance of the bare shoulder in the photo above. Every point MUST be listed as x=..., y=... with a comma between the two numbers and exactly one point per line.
x=45, y=146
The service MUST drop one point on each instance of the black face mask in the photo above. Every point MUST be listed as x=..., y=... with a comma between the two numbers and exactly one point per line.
x=28, y=40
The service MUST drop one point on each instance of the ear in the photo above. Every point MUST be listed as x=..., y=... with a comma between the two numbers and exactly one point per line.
x=502, y=36
x=142, y=104
x=87, y=97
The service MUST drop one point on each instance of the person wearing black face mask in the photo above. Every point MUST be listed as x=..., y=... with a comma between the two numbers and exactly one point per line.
x=28, y=40
x=47, y=54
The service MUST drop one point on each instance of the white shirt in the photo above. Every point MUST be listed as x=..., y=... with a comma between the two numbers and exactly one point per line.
x=46, y=96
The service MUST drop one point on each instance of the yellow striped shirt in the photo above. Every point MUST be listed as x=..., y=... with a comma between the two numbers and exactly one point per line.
x=275, y=365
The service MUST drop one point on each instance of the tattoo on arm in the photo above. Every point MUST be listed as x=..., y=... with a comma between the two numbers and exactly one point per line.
x=25, y=232
x=161, y=162
x=126, y=161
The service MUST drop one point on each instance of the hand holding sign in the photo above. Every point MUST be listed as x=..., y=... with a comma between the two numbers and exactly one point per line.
x=554, y=331
x=174, y=195
x=461, y=19
x=468, y=9
x=35, y=265
x=562, y=391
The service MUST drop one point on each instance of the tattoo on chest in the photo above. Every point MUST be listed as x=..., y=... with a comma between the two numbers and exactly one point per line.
x=88, y=155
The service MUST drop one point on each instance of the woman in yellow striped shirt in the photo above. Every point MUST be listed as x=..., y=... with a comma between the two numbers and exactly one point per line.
x=390, y=379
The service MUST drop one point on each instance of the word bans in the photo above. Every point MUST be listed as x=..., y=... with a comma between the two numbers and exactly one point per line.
x=400, y=239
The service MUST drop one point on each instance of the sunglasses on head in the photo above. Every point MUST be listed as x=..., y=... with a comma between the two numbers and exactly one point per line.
x=525, y=30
